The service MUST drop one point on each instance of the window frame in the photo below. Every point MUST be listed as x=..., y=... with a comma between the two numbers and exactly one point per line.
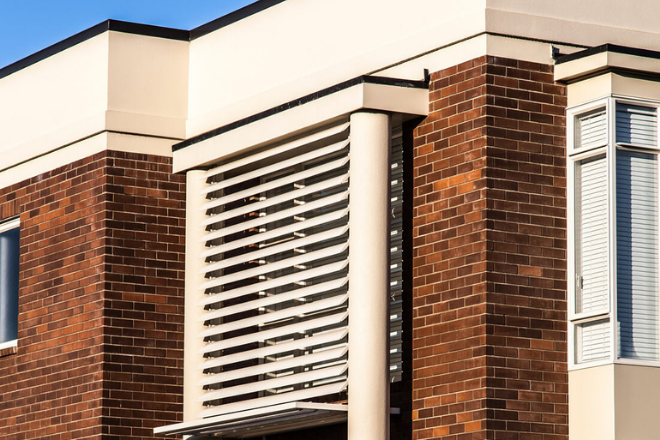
x=575, y=154
x=7, y=225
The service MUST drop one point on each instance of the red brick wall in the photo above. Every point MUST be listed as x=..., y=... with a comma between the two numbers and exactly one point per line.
x=489, y=297
x=100, y=302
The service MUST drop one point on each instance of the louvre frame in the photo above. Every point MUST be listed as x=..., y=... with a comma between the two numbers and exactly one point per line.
x=617, y=146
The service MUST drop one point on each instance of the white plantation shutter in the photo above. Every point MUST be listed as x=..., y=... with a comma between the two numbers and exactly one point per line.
x=593, y=341
x=592, y=291
x=636, y=125
x=637, y=254
x=591, y=129
x=592, y=270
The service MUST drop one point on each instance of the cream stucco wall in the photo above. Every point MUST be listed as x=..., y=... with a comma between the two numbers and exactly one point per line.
x=111, y=83
x=147, y=85
x=591, y=403
x=614, y=402
x=54, y=102
x=300, y=46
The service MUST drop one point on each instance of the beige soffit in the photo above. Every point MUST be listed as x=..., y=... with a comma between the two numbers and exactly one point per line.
x=365, y=95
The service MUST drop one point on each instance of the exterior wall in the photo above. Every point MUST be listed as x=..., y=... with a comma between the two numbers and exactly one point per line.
x=114, y=82
x=100, y=303
x=489, y=299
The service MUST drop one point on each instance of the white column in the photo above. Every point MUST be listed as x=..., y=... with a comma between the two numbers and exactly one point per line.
x=369, y=275
x=194, y=263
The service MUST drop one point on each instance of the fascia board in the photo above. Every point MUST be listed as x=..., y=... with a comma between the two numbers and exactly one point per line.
x=602, y=62
x=322, y=111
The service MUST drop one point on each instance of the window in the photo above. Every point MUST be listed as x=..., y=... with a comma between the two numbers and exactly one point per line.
x=613, y=172
x=9, y=245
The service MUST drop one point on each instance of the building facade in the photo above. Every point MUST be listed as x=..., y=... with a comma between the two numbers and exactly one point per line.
x=344, y=219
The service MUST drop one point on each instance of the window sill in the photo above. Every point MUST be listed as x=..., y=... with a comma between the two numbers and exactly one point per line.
x=8, y=348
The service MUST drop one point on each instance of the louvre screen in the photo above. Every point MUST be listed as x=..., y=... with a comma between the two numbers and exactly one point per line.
x=275, y=308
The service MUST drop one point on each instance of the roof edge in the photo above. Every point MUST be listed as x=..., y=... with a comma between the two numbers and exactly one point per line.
x=89, y=33
x=232, y=17
x=626, y=50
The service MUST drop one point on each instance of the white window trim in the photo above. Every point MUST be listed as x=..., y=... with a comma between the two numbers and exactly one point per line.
x=10, y=224
x=6, y=226
x=574, y=155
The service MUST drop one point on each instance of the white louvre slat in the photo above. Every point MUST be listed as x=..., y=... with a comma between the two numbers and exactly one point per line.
x=277, y=399
x=275, y=333
x=277, y=150
x=275, y=316
x=637, y=255
x=276, y=183
x=279, y=248
x=275, y=299
x=308, y=359
x=297, y=210
x=315, y=154
x=299, y=193
x=265, y=236
x=276, y=282
x=319, y=338
x=279, y=382
x=271, y=267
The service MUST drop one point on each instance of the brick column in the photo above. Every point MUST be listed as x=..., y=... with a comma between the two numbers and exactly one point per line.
x=489, y=299
x=100, y=325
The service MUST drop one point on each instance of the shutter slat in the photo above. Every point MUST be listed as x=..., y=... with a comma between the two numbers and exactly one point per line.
x=275, y=333
x=292, y=379
x=280, y=248
x=275, y=316
x=275, y=151
x=253, y=207
x=320, y=338
x=315, y=154
x=316, y=204
x=275, y=299
x=271, y=267
x=265, y=236
x=308, y=359
x=274, y=283
x=293, y=396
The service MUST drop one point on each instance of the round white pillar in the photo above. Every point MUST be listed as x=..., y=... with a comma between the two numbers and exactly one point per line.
x=369, y=277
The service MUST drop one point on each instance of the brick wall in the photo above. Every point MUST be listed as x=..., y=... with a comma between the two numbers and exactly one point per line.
x=100, y=302
x=489, y=297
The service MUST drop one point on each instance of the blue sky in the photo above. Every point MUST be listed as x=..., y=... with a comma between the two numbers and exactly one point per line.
x=27, y=26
